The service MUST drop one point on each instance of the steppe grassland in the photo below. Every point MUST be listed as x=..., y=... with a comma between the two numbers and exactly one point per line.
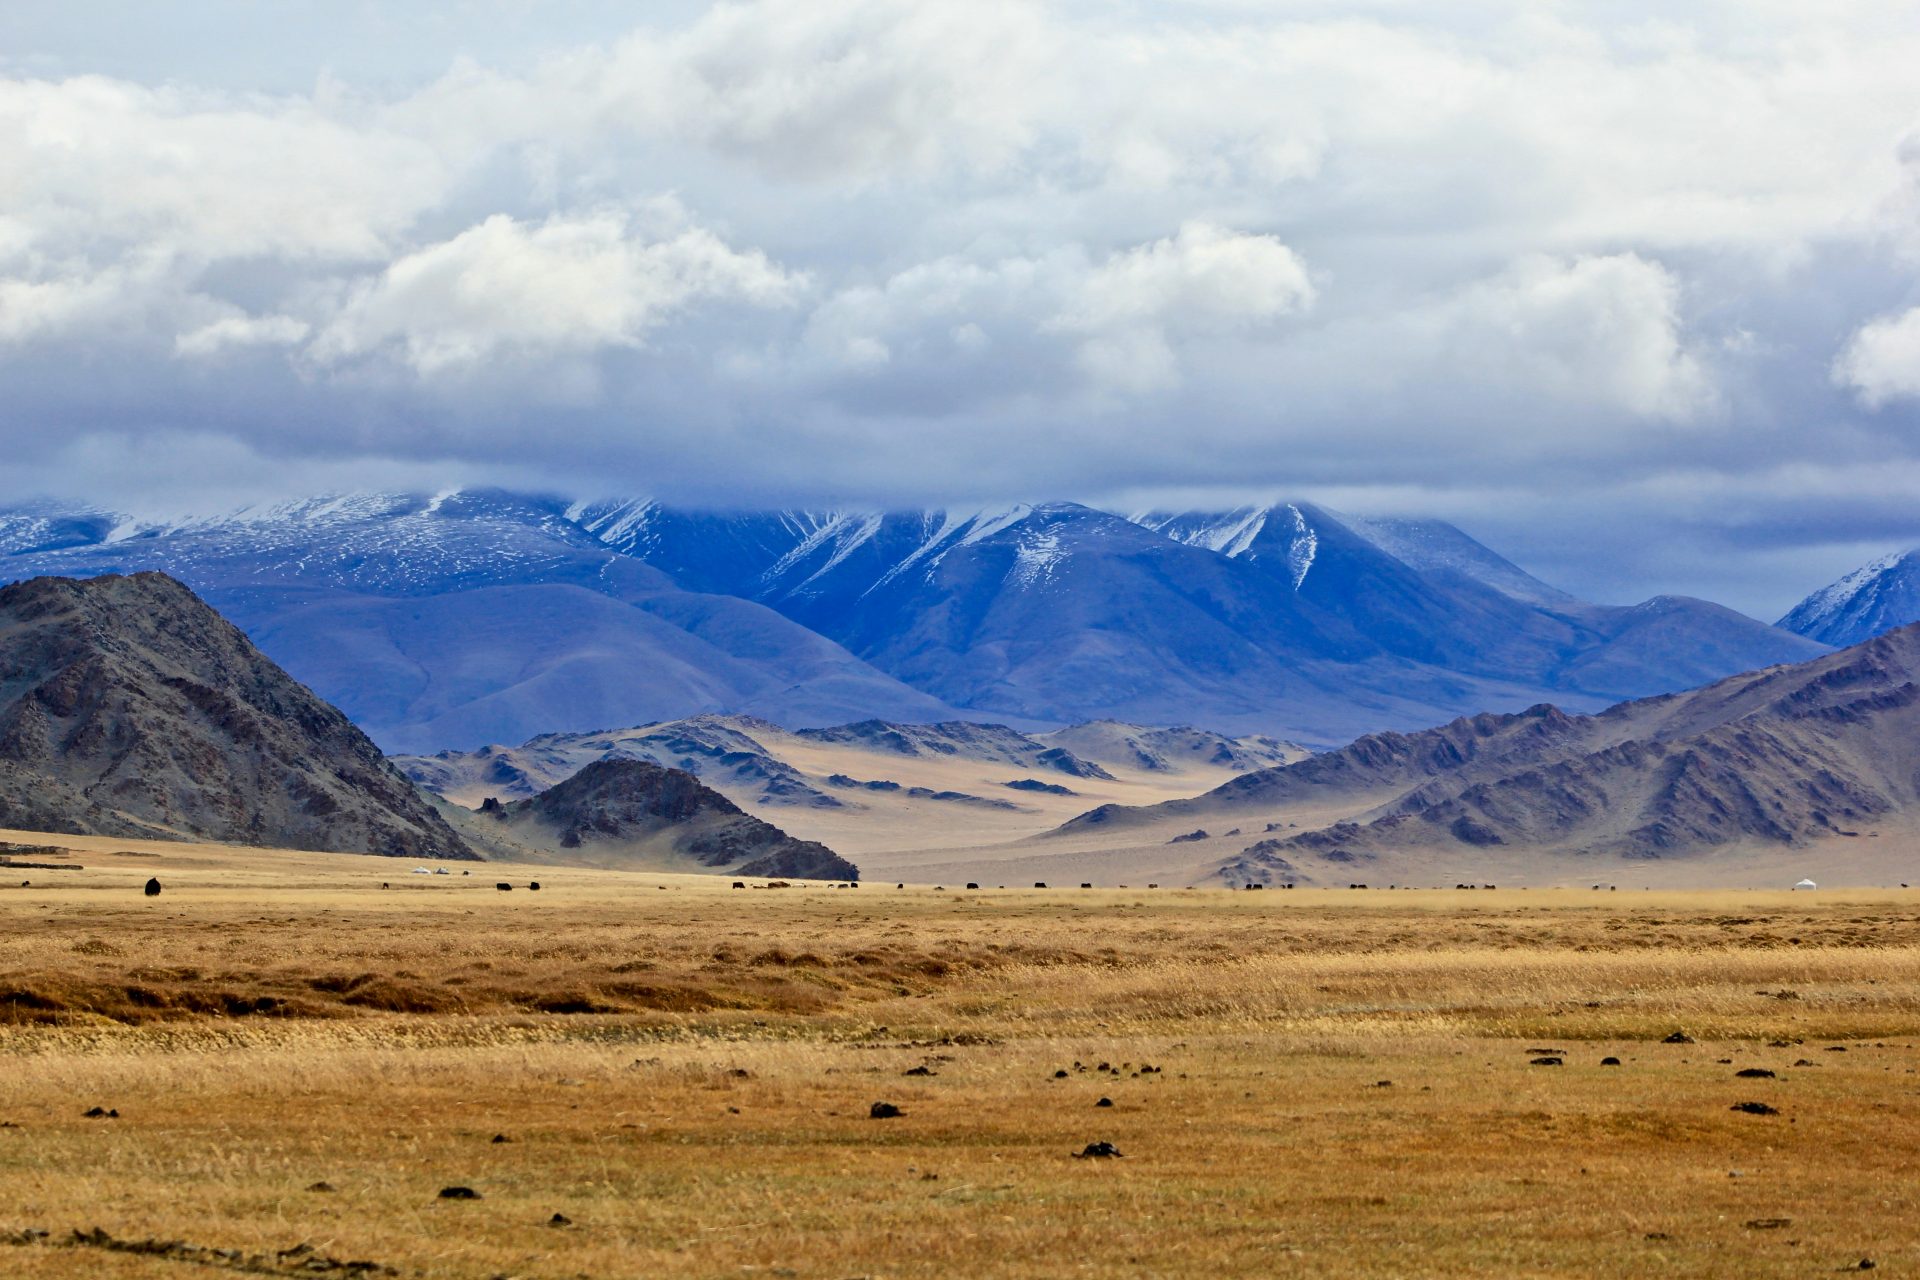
x=685, y=1073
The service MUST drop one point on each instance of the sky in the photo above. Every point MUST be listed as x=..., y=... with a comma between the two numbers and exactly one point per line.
x=1630, y=292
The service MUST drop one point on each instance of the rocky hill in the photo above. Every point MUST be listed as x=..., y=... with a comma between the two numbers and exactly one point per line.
x=633, y=814
x=128, y=707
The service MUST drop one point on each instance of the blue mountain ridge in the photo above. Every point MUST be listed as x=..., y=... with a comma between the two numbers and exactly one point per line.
x=481, y=616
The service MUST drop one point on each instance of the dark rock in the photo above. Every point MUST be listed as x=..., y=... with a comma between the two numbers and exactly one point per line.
x=1099, y=1151
x=1678, y=1037
x=459, y=1193
x=883, y=1111
x=322, y=1188
x=1545, y=1062
x=922, y=1070
x=1754, y=1109
x=1034, y=784
x=501, y=1137
x=1609, y=1062
x=504, y=887
x=1753, y=1073
x=101, y=1113
x=153, y=887
x=1104, y=1102
x=559, y=1220
x=1767, y=1224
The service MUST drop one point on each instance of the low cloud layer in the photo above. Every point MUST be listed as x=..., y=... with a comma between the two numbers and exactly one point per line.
x=1635, y=299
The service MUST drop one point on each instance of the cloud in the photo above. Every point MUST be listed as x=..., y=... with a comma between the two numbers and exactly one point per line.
x=241, y=331
x=951, y=333
x=568, y=284
x=1204, y=282
x=1597, y=330
x=891, y=252
x=1881, y=363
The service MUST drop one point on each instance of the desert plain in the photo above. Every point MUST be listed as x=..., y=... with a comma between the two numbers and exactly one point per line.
x=637, y=1075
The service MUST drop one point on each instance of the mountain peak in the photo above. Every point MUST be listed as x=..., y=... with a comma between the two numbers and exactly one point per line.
x=1883, y=593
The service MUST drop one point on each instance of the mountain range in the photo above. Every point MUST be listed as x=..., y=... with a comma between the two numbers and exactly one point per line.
x=1821, y=752
x=466, y=618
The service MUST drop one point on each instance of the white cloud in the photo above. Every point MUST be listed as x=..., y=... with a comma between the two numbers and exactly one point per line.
x=1060, y=324
x=98, y=167
x=241, y=331
x=1601, y=330
x=1203, y=282
x=568, y=284
x=1882, y=362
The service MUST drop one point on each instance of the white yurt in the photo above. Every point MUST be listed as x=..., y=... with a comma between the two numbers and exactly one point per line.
x=1806, y=884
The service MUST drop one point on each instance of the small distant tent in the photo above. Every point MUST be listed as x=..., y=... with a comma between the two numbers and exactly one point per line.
x=1806, y=884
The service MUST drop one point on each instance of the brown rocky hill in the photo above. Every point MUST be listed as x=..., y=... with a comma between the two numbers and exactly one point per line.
x=1786, y=756
x=128, y=707
x=635, y=814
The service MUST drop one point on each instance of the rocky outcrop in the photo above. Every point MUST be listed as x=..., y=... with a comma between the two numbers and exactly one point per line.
x=636, y=813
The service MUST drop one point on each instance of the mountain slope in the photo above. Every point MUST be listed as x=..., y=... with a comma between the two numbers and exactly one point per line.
x=633, y=814
x=1876, y=597
x=130, y=708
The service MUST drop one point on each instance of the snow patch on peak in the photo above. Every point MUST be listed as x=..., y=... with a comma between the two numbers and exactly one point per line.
x=1035, y=559
x=1232, y=534
x=843, y=534
x=991, y=520
x=1303, y=549
x=620, y=525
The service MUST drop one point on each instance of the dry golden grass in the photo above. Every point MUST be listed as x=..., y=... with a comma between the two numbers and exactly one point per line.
x=685, y=1073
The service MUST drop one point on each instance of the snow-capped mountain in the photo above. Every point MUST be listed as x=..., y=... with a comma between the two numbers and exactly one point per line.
x=466, y=617
x=1876, y=597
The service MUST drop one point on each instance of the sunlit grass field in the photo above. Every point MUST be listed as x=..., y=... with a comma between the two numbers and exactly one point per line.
x=1342, y=1081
